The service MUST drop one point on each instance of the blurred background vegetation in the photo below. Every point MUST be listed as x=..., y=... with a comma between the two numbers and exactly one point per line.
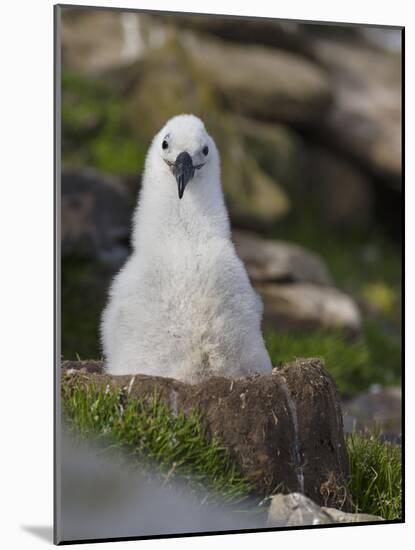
x=307, y=119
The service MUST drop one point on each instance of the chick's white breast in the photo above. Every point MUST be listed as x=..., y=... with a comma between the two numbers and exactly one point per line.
x=199, y=283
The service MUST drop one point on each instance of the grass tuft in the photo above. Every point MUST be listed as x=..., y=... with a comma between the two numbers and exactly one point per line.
x=375, y=475
x=171, y=447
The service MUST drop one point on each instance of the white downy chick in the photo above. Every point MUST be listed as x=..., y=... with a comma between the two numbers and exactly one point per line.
x=182, y=306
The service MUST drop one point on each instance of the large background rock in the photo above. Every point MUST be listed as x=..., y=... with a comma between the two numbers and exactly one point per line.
x=266, y=83
x=278, y=148
x=365, y=117
x=334, y=189
x=278, y=261
x=295, y=285
x=339, y=193
x=283, y=430
x=309, y=306
x=96, y=41
x=269, y=32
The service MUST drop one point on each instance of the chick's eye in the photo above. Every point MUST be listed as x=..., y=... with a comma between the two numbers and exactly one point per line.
x=205, y=150
x=164, y=145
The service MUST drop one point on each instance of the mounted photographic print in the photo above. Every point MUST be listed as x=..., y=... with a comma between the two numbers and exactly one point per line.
x=229, y=225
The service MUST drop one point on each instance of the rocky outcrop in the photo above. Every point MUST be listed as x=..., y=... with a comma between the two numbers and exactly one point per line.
x=335, y=190
x=273, y=70
x=296, y=509
x=268, y=32
x=346, y=91
x=283, y=430
x=265, y=83
x=278, y=149
x=338, y=192
x=365, y=117
x=97, y=41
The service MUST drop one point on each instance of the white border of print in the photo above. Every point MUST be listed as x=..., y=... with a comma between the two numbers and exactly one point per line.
x=26, y=219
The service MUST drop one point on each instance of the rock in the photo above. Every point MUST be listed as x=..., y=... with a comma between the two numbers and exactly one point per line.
x=163, y=86
x=253, y=198
x=296, y=509
x=386, y=38
x=283, y=430
x=309, y=306
x=377, y=410
x=339, y=193
x=279, y=151
x=285, y=35
x=365, y=117
x=96, y=41
x=95, y=215
x=278, y=261
x=295, y=286
x=262, y=82
x=339, y=516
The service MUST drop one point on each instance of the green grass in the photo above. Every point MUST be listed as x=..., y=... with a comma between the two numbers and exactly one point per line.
x=354, y=365
x=375, y=482
x=172, y=447
x=95, y=128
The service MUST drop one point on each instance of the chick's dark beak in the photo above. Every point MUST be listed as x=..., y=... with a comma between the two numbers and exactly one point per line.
x=183, y=171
